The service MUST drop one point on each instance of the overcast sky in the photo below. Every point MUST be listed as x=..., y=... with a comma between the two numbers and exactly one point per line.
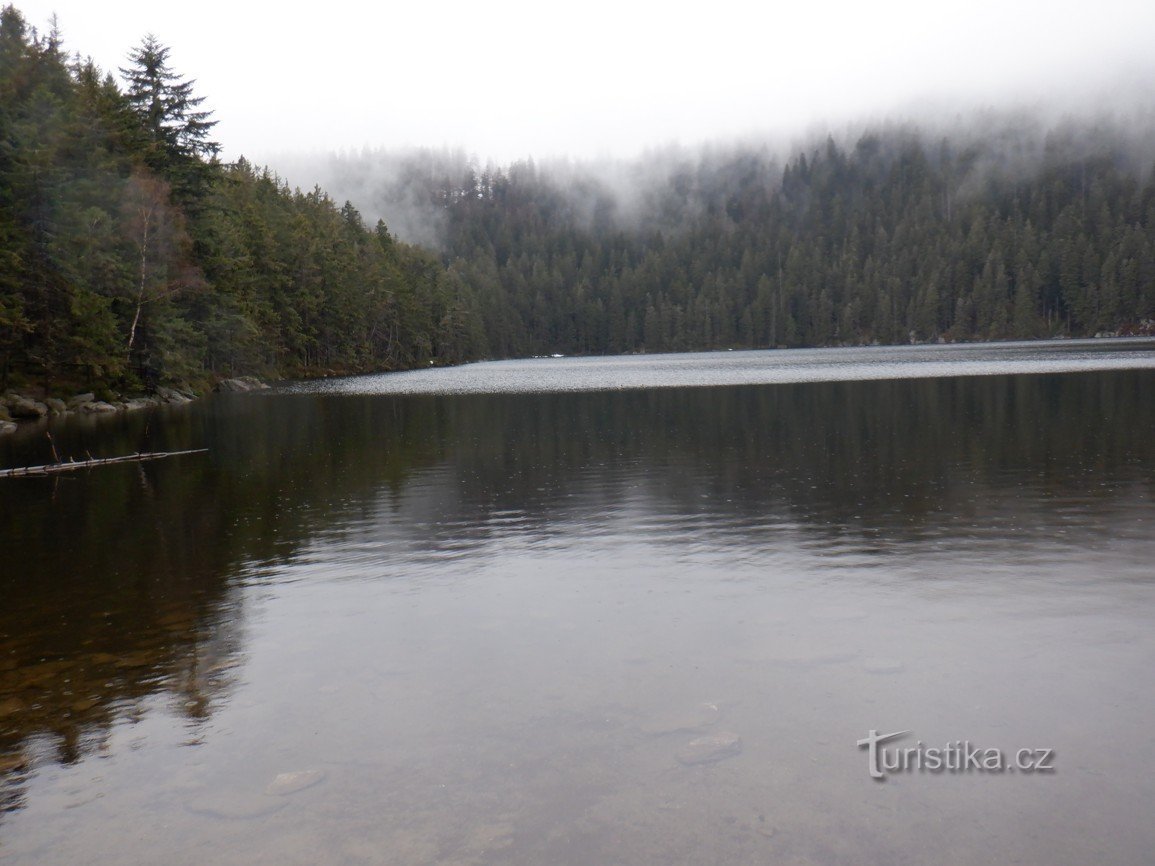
x=510, y=78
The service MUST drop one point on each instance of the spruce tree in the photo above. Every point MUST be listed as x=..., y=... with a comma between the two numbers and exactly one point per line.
x=172, y=117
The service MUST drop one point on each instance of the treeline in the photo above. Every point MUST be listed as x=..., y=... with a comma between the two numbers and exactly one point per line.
x=130, y=255
x=894, y=236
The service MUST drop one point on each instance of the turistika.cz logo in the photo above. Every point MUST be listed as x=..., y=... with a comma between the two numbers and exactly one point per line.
x=957, y=757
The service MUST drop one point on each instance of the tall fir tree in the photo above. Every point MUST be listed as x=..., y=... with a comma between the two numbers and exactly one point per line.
x=179, y=129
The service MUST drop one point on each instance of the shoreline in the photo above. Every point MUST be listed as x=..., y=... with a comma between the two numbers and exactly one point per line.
x=22, y=407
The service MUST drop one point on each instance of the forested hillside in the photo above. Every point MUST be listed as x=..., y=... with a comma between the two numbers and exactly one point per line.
x=897, y=236
x=131, y=256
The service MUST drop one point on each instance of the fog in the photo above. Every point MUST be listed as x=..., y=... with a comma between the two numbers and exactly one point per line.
x=665, y=188
x=511, y=78
x=611, y=101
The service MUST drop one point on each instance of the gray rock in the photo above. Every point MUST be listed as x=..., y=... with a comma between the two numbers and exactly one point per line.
x=80, y=400
x=55, y=406
x=290, y=783
x=7, y=427
x=4, y=416
x=710, y=749
x=171, y=395
x=240, y=385
x=141, y=403
x=25, y=407
x=97, y=407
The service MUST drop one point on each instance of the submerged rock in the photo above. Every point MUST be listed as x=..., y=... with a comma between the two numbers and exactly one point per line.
x=291, y=783
x=710, y=749
x=232, y=805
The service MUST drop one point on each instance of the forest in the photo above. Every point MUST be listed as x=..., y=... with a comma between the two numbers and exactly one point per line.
x=132, y=255
x=1010, y=229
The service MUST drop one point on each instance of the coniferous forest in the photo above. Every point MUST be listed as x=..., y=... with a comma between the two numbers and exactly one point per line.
x=898, y=237
x=132, y=255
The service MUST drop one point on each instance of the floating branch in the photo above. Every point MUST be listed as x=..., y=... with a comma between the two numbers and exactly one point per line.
x=72, y=465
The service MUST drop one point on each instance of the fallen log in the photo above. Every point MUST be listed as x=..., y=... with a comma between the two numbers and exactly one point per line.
x=73, y=465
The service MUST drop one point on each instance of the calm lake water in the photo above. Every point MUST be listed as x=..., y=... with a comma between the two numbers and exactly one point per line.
x=623, y=610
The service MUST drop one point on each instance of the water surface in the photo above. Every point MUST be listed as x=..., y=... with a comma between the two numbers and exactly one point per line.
x=488, y=626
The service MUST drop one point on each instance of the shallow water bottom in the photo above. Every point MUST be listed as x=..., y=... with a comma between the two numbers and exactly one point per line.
x=533, y=709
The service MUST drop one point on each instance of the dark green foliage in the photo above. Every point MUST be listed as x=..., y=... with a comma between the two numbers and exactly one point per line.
x=893, y=240
x=129, y=255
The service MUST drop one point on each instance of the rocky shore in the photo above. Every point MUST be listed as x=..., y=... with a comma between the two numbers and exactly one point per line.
x=32, y=406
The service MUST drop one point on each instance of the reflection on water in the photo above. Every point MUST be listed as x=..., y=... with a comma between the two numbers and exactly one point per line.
x=637, y=626
x=758, y=367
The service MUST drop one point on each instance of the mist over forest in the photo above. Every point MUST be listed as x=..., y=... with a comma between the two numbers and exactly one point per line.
x=132, y=255
x=994, y=226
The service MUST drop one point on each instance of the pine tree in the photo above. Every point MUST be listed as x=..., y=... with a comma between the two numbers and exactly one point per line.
x=172, y=117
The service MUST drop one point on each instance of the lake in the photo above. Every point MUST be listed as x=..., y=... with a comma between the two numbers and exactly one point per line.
x=601, y=610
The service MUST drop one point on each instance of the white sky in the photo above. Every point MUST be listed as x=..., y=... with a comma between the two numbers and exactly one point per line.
x=511, y=78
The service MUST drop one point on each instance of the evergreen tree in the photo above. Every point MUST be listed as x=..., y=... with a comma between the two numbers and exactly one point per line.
x=177, y=127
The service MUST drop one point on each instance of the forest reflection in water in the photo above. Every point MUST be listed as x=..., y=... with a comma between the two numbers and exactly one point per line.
x=499, y=592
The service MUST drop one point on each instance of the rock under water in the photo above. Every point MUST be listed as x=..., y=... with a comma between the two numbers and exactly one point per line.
x=710, y=749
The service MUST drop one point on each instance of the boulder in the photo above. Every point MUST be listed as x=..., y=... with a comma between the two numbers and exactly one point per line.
x=171, y=395
x=97, y=407
x=25, y=407
x=4, y=416
x=7, y=427
x=55, y=406
x=80, y=400
x=141, y=403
